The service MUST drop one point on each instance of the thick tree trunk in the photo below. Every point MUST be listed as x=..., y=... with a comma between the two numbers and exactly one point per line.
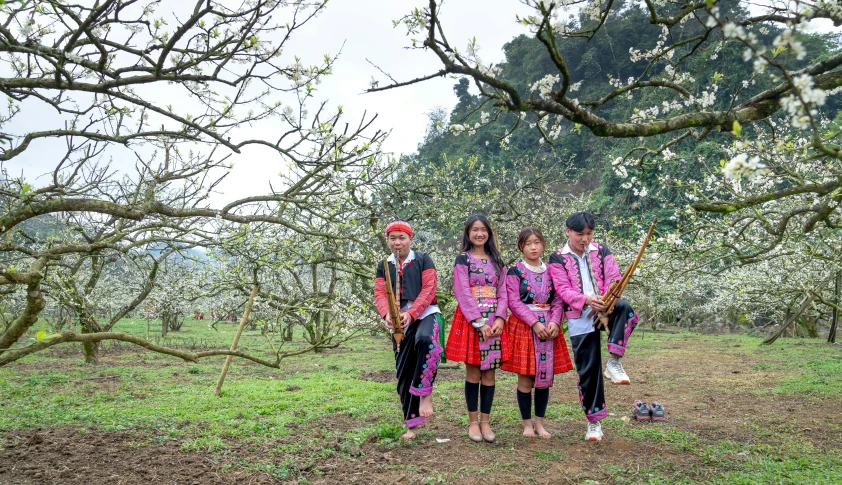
x=787, y=318
x=315, y=332
x=811, y=326
x=808, y=299
x=91, y=348
x=35, y=303
x=91, y=352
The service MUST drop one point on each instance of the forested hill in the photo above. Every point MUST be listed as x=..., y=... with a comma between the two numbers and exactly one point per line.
x=597, y=67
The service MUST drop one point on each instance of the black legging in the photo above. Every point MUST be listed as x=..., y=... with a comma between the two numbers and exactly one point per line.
x=588, y=358
x=524, y=403
x=416, y=365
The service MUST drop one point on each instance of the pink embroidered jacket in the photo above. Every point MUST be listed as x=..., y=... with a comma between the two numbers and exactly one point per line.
x=524, y=288
x=564, y=270
x=469, y=271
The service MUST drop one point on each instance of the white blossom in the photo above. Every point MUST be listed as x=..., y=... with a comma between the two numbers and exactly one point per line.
x=674, y=239
x=743, y=166
x=456, y=129
x=731, y=29
x=747, y=53
x=545, y=85
x=26, y=26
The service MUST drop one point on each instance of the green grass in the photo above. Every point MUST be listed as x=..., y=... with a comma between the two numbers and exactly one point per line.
x=788, y=461
x=679, y=440
x=290, y=413
x=817, y=375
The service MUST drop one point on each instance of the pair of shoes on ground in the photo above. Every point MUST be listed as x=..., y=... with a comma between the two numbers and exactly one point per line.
x=647, y=412
x=641, y=412
x=479, y=438
x=615, y=373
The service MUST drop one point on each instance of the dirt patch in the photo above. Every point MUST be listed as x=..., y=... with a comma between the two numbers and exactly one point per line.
x=379, y=376
x=70, y=456
x=724, y=398
x=511, y=459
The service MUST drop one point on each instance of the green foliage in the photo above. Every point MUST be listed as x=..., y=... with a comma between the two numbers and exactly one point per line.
x=596, y=63
x=389, y=431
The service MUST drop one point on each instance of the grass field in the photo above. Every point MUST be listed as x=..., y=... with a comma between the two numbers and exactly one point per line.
x=737, y=413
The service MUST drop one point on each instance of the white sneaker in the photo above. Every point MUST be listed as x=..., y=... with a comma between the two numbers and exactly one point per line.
x=594, y=432
x=614, y=371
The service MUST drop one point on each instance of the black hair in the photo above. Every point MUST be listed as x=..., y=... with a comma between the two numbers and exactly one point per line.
x=528, y=232
x=490, y=244
x=578, y=221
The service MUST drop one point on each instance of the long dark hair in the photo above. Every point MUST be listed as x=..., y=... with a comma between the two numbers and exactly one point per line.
x=490, y=244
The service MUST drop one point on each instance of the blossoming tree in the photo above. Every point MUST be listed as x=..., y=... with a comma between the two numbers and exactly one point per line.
x=146, y=104
x=786, y=83
x=773, y=188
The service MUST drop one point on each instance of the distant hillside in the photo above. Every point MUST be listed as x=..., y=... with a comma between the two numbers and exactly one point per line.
x=594, y=65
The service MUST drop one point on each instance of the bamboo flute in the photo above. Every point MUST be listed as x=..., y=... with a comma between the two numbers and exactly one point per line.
x=618, y=287
x=394, y=309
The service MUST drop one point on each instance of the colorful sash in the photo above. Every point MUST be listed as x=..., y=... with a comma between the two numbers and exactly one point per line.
x=484, y=292
x=490, y=351
x=538, y=286
x=544, y=358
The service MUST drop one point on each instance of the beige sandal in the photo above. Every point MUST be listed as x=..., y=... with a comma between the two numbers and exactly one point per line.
x=487, y=436
x=476, y=438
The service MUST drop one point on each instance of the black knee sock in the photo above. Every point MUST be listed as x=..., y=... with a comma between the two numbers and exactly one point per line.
x=542, y=397
x=471, y=395
x=486, y=397
x=524, y=402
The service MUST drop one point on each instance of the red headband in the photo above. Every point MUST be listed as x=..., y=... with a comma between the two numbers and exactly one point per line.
x=401, y=226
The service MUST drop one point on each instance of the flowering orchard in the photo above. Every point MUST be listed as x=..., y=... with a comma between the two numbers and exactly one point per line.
x=794, y=85
x=129, y=190
x=744, y=162
x=722, y=119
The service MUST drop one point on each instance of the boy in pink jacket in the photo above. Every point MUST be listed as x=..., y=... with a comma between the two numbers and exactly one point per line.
x=581, y=271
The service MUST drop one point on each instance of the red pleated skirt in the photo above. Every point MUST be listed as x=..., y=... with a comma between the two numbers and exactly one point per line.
x=519, y=349
x=463, y=341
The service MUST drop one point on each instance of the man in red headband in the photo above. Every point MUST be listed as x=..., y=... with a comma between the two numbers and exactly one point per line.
x=417, y=362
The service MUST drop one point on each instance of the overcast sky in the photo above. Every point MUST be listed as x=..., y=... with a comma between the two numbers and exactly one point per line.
x=365, y=28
